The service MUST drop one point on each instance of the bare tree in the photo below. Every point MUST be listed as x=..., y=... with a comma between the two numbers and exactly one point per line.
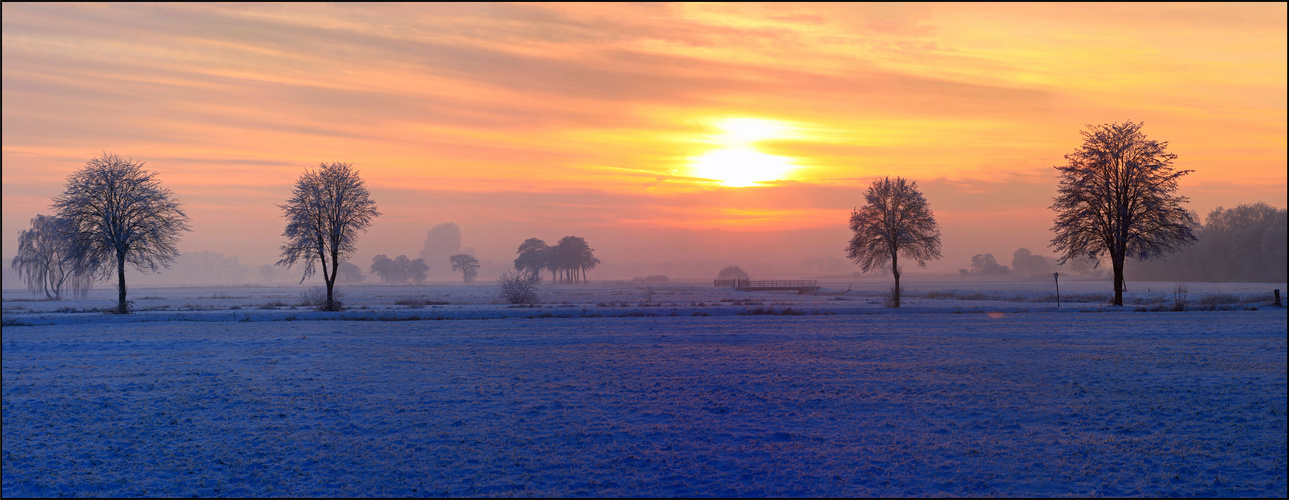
x=467, y=264
x=46, y=259
x=327, y=208
x=1114, y=199
x=896, y=221
x=119, y=212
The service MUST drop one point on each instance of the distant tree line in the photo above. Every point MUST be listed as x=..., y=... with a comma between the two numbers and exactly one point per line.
x=1024, y=264
x=567, y=261
x=350, y=273
x=399, y=269
x=1243, y=243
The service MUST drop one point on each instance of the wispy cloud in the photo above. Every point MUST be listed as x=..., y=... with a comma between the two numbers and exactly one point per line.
x=505, y=107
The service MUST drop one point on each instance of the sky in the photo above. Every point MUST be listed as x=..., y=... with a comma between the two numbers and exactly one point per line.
x=722, y=133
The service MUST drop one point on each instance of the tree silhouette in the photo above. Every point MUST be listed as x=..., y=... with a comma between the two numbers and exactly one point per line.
x=418, y=270
x=533, y=257
x=46, y=259
x=987, y=264
x=733, y=273
x=467, y=264
x=562, y=260
x=572, y=257
x=1027, y=264
x=383, y=266
x=327, y=208
x=577, y=257
x=402, y=269
x=119, y=212
x=1115, y=200
x=896, y=221
x=1243, y=243
x=350, y=273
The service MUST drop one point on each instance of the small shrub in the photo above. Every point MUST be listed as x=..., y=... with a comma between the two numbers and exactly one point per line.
x=1179, y=298
x=1258, y=298
x=1217, y=299
x=317, y=297
x=416, y=302
x=517, y=287
x=1086, y=297
x=890, y=299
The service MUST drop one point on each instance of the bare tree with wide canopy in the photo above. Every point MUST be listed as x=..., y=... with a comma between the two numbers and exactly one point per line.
x=896, y=221
x=327, y=209
x=467, y=264
x=118, y=212
x=46, y=259
x=1115, y=199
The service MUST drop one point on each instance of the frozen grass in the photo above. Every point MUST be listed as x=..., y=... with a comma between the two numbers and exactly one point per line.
x=571, y=399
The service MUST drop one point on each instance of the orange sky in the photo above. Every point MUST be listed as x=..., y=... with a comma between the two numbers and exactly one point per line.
x=608, y=121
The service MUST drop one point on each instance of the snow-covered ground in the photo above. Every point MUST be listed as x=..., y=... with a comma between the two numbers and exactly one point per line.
x=622, y=390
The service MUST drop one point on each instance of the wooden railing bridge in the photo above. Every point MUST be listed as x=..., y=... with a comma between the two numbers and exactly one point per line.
x=801, y=286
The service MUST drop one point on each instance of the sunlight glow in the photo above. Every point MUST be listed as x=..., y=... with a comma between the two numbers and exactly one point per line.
x=740, y=167
x=747, y=130
x=738, y=163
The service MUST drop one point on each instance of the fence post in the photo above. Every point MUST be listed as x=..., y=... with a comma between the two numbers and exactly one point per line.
x=1277, y=297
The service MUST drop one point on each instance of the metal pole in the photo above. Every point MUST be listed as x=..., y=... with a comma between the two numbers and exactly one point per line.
x=1057, y=278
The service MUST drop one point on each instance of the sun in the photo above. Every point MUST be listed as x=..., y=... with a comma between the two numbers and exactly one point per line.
x=737, y=162
x=740, y=167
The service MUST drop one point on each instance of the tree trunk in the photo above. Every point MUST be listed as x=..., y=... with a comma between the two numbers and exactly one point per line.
x=121, y=307
x=895, y=270
x=331, y=279
x=1118, y=279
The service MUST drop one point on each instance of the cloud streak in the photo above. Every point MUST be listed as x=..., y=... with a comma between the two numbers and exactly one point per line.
x=588, y=116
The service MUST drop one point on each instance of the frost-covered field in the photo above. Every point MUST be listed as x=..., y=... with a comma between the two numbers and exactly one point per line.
x=615, y=390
